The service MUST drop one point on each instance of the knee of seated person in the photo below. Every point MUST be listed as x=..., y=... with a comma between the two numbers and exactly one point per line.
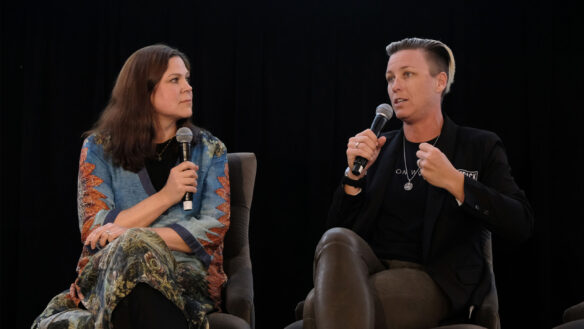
x=145, y=244
x=338, y=235
x=134, y=232
x=137, y=235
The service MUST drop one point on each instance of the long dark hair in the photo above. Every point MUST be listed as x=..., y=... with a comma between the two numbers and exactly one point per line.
x=127, y=123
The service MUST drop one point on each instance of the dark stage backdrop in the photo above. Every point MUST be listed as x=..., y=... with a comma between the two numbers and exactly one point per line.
x=291, y=81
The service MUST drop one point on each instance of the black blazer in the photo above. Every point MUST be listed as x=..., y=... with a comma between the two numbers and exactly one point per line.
x=453, y=235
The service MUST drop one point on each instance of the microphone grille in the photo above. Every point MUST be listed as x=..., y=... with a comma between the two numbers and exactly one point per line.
x=184, y=135
x=385, y=110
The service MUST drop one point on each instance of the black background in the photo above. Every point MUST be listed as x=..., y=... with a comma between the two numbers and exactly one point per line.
x=291, y=81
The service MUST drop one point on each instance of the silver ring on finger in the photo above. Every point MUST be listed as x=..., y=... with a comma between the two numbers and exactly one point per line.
x=357, y=145
x=419, y=163
x=108, y=232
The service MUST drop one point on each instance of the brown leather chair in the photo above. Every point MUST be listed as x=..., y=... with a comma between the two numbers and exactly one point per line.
x=237, y=307
x=485, y=315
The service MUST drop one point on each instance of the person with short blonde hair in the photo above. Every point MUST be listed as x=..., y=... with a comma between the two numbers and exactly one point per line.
x=406, y=237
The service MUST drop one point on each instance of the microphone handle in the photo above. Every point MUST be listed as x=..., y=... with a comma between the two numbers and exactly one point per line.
x=358, y=165
x=360, y=162
x=185, y=155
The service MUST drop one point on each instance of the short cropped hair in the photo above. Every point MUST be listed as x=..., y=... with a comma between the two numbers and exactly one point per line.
x=438, y=54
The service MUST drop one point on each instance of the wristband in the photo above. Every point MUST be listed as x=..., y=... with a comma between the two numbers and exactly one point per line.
x=360, y=183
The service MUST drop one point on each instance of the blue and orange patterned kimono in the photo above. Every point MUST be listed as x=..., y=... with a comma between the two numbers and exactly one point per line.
x=191, y=281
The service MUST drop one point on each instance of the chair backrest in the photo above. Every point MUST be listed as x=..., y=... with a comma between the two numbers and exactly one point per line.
x=487, y=315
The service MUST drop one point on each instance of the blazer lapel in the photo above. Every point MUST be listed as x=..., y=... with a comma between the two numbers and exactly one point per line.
x=435, y=197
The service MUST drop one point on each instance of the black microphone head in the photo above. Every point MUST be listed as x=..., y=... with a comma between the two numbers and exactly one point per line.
x=184, y=135
x=383, y=113
x=385, y=110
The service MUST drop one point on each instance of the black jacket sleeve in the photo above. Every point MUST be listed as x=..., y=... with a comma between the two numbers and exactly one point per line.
x=344, y=208
x=495, y=199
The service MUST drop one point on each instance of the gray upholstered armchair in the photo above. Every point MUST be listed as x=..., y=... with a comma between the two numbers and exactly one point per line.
x=238, y=308
x=485, y=315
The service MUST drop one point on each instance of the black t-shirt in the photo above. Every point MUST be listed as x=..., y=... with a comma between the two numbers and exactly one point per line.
x=159, y=167
x=399, y=226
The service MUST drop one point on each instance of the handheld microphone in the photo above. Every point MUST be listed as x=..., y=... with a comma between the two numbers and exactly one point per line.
x=383, y=113
x=184, y=136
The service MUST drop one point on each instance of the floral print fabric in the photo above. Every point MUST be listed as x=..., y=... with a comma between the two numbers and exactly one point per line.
x=139, y=255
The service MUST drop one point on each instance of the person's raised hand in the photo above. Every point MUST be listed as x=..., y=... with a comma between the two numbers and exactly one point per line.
x=437, y=169
x=366, y=145
x=182, y=179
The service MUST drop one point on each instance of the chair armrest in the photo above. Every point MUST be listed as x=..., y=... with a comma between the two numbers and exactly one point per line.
x=305, y=308
x=574, y=312
x=239, y=290
x=487, y=314
x=299, y=311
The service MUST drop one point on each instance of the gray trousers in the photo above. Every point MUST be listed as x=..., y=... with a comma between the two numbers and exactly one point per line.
x=354, y=289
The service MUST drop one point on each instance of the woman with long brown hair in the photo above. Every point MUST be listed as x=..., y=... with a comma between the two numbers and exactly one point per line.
x=146, y=261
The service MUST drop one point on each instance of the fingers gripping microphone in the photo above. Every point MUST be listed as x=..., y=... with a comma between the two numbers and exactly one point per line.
x=383, y=113
x=184, y=136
